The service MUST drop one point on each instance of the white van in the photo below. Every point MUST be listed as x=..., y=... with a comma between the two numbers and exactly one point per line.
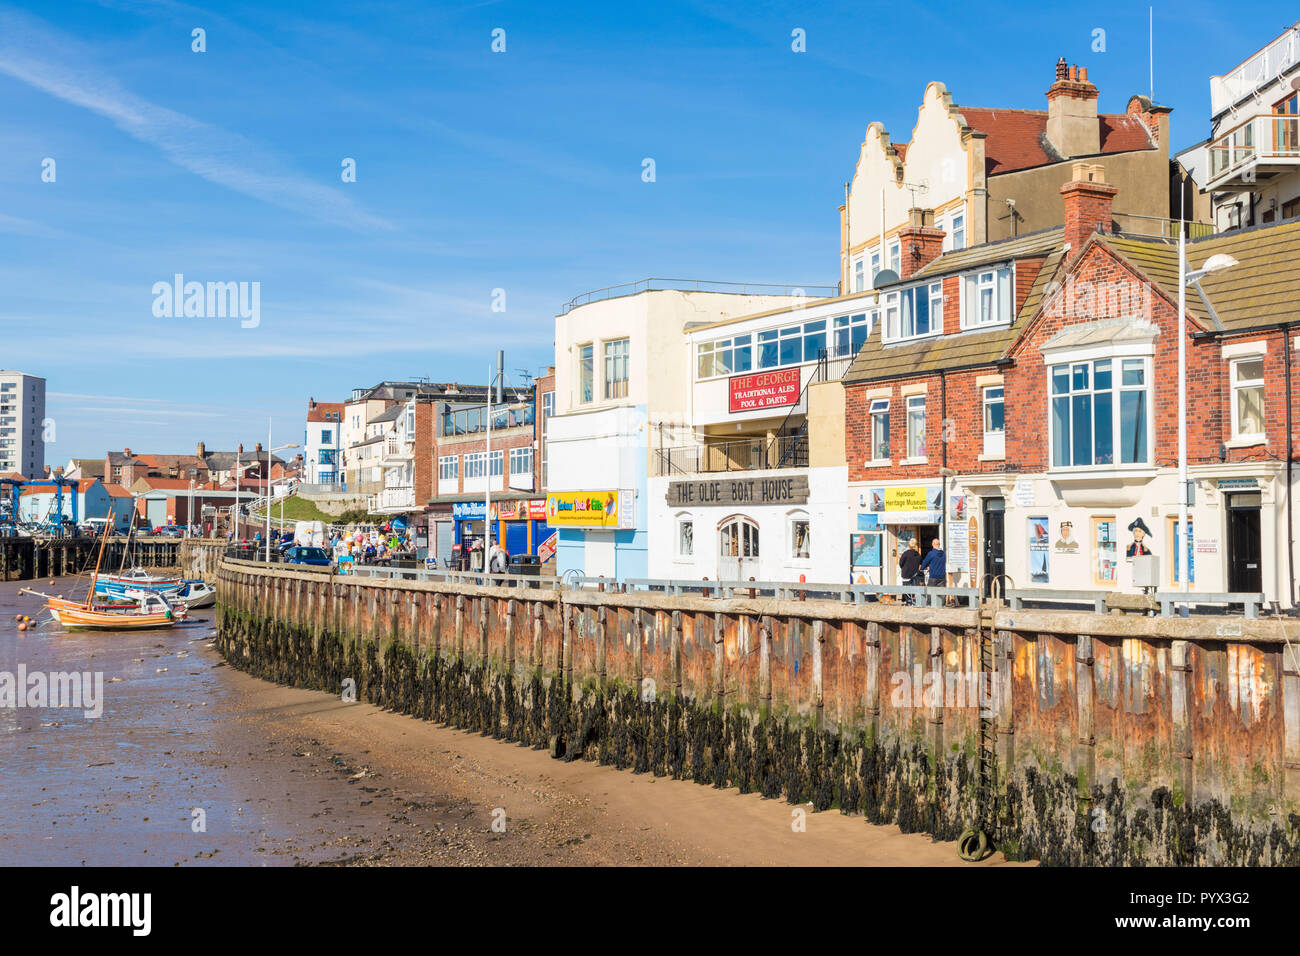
x=309, y=534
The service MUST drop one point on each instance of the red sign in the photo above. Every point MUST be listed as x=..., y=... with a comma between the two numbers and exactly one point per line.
x=764, y=390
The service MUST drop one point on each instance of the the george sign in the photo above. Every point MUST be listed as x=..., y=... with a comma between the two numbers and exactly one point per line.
x=546, y=550
x=591, y=509
x=764, y=390
x=739, y=491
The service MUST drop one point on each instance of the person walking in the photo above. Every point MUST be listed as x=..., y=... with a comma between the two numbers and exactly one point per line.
x=934, y=566
x=498, y=559
x=909, y=568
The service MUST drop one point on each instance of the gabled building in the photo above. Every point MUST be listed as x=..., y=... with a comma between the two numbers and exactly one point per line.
x=991, y=173
x=1033, y=429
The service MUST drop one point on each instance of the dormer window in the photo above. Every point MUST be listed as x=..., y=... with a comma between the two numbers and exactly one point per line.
x=913, y=313
x=987, y=298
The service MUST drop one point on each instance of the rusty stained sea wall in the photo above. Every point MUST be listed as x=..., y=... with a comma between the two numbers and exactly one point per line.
x=1135, y=743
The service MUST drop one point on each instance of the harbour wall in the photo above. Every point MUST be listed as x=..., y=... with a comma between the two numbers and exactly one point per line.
x=1115, y=740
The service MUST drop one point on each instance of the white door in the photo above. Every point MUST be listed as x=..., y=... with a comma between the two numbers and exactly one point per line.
x=737, y=549
x=599, y=556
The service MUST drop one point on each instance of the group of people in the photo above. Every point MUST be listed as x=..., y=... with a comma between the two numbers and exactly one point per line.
x=913, y=569
x=371, y=547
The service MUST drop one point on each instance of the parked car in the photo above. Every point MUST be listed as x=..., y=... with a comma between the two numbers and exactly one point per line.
x=170, y=531
x=299, y=554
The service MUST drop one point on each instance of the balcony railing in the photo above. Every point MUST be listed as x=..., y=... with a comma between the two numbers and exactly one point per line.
x=1268, y=138
x=746, y=454
x=699, y=285
x=401, y=497
x=1131, y=224
x=1269, y=63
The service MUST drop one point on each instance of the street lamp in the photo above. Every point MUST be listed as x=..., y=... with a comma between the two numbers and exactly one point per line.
x=1215, y=263
x=269, y=451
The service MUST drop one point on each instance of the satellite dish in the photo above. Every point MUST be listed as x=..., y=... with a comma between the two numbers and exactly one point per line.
x=884, y=277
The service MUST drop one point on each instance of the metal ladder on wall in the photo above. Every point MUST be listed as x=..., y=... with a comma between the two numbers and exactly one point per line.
x=975, y=843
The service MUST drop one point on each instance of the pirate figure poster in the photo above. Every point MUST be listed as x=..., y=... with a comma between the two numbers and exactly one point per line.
x=1141, y=533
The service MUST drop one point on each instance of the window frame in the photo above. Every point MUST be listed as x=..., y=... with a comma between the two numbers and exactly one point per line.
x=616, y=353
x=876, y=414
x=969, y=286
x=1116, y=391
x=895, y=308
x=681, y=521
x=1097, y=553
x=586, y=377
x=793, y=519
x=916, y=447
x=1235, y=384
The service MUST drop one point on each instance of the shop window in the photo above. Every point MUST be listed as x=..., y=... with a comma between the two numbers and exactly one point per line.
x=1248, y=399
x=800, y=536
x=685, y=537
x=1105, y=552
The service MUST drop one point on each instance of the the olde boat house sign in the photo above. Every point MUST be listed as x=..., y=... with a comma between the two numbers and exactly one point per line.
x=739, y=491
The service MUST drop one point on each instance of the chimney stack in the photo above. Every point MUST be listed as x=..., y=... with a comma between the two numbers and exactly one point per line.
x=126, y=452
x=201, y=450
x=1072, y=126
x=1088, y=199
x=919, y=242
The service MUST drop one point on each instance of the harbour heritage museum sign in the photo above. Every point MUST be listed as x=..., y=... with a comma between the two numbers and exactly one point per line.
x=739, y=491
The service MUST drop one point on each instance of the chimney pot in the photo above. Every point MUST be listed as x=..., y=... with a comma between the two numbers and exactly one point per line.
x=1060, y=68
x=1083, y=74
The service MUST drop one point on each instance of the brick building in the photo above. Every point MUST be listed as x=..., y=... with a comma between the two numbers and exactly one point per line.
x=1049, y=385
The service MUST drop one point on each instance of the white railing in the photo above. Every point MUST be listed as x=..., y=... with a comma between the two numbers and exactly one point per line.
x=1259, y=139
x=399, y=497
x=1269, y=63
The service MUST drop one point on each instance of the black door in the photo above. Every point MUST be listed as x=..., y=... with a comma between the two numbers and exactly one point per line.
x=994, y=543
x=1244, y=572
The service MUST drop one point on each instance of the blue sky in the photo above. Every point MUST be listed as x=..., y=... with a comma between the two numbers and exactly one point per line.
x=476, y=171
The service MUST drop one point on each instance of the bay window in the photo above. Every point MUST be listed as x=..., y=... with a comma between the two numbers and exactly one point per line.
x=1248, y=398
x=1100, y=412
x=987, y=298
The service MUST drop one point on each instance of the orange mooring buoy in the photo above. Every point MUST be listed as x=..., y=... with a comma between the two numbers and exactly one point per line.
x=22, y=626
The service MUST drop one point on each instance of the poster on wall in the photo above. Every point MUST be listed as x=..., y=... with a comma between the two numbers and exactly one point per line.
x=864, y=549
x=957, y=507
x=591, y=509
x=1178, y=550
x=1038, y=541
x=958, y=545
x=973, y=537
x=1066, y=542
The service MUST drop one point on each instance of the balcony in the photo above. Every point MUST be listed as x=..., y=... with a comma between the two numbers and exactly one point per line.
x=1132, y=224
x=747, y=454
x=395, y=452
x=698, y=285
x=1255, y=151
x=394, y=500
x=1261, y=69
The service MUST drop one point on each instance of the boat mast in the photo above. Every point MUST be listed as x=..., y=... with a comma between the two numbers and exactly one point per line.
x=127, y=550
x=90, y=596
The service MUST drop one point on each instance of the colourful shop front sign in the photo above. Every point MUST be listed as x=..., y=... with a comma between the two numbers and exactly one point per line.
x=591, y=509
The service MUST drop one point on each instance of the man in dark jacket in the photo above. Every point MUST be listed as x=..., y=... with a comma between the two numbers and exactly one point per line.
x=934, y=567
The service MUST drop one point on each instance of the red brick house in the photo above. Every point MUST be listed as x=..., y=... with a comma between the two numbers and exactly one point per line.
x=1045, y=368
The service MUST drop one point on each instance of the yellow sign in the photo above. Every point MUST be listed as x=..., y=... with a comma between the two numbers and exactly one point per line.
x=906, y=499
x=589, y=509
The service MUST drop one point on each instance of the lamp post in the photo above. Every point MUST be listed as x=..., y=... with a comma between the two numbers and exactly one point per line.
x=269, y=451
x=1185, y=278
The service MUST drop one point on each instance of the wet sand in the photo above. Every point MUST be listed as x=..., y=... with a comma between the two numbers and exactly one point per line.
x=288, y=776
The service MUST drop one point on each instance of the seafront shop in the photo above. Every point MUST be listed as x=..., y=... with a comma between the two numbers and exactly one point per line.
x=597, y=532
x=520, y=524
x=888, y=516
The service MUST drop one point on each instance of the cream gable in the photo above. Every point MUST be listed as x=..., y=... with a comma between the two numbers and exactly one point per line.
x=943, y=155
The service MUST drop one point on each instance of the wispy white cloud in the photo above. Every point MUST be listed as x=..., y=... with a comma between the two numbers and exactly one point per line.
x=36, y=54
